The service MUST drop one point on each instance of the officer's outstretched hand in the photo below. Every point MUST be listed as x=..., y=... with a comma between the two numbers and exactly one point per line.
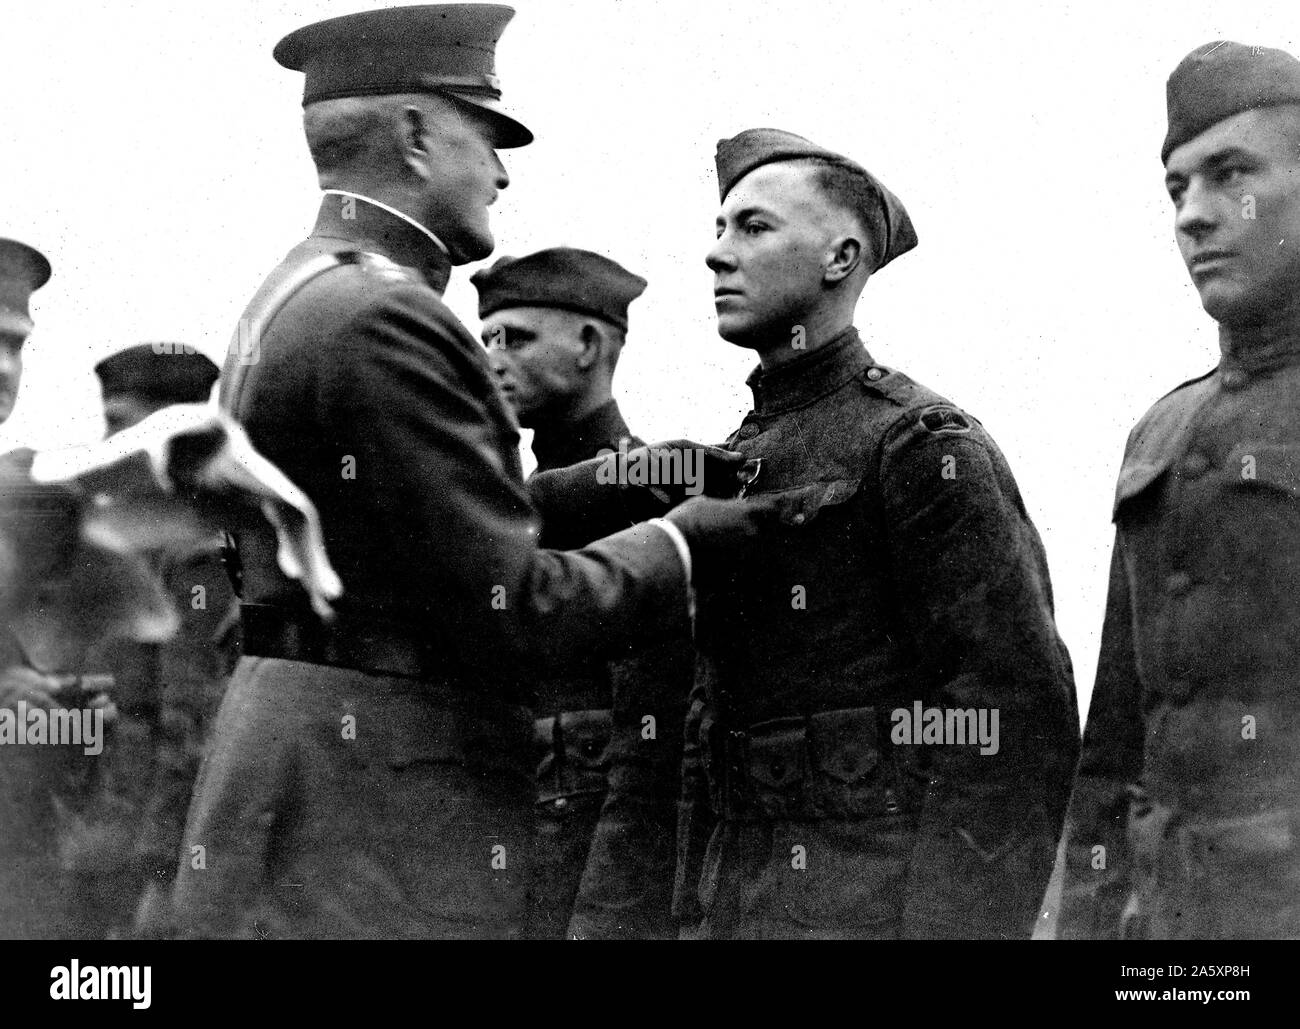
x=723, y=534
x=21, y=683
x=684, y=469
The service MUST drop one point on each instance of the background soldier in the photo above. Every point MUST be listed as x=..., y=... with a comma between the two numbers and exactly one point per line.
x=371, y=772
x=554, y=323
x=907, y=575
x=1184, y=821
x=28, y=840
x=121, y=853
x=23, y=270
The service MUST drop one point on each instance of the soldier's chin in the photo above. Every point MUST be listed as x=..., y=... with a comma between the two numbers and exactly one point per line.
x=1229, y=304
x=739, y=331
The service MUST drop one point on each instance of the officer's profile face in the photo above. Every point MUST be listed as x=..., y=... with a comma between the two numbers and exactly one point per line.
x=11, y=370
x=539, y=358
x=122, y=411
x=462, y=175
x=768, y=263
x=1236, y=195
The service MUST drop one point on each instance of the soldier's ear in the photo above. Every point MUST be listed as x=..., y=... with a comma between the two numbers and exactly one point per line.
x=843, y=258
x=592, y=341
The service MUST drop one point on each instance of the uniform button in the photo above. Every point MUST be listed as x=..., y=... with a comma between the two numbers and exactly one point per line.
x=799, y=518
x=1235, y=379
x=561, y=803
x=1178, y=582
x=875, y=374
x=1195, y=464
x=778, y=769
x=747, y=431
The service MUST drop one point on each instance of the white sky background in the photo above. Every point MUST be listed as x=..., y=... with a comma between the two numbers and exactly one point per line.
x=154, y=152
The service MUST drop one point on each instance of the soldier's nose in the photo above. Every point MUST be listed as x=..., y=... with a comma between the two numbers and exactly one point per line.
x=1196, y=217
x=719, y=257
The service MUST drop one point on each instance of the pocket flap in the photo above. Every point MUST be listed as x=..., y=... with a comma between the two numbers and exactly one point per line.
x=776, y=753
x=845, y=743
x=802, y=504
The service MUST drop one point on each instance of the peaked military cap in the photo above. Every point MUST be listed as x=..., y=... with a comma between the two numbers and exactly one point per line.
x=23, y=270
x=1220, y=79
x=448, y=49
x=159, y=373
x=741, y=154
x=574, y=280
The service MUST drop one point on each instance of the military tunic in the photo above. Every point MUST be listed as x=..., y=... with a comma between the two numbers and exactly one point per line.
x=907, y=573
x=607, y=793
x=373, y=777
x=1184, y=821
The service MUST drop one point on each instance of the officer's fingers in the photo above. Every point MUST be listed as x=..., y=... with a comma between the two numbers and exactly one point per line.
x=102, y=702
x=33, y=697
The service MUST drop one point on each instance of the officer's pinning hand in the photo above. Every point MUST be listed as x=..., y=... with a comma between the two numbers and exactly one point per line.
x=683, y=469
x=26, y=684
x=723, y=534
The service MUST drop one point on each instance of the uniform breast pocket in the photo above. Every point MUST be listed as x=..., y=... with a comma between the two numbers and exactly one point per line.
x=800, y=505
x=1273, y=467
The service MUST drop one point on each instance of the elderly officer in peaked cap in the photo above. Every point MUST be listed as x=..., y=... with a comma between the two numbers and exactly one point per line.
x=845, y=774
x=554, y=323
x=23, y=270
x=371, y=770
x=1185, y=818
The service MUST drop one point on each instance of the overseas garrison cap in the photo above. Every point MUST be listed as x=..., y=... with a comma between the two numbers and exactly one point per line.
x=753, y=148
x=23, y=270
x=448, y=49
x=1220, y=79
x=161, y=374
x=574, y=280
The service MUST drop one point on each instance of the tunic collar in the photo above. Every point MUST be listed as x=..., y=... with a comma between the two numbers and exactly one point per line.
x=374, y=226
x=809, y=376
x=564, y=445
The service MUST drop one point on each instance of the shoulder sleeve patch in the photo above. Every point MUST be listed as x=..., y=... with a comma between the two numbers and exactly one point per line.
x=943, y=419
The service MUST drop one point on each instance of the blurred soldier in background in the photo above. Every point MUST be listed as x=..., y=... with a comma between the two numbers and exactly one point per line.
x=23, y=270
x=371, y=772
x=834, y=782
x=554, y=323
x=28, y=840
x=1185, y=818
x=122, y=851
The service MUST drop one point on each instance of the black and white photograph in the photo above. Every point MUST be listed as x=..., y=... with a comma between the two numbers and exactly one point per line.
x=651, y=471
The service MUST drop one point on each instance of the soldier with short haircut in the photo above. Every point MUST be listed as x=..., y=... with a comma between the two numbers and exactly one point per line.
x=906, y=585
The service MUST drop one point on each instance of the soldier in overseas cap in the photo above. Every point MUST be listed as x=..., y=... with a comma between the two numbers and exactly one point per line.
x=1184, y=821
x=137, y=381
x=23, y=270
x=371, y=774
x=883, y=722
x=122, y=861
x=554, y=324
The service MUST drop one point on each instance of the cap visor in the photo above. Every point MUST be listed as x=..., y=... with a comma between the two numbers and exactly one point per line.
x=503, y=130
